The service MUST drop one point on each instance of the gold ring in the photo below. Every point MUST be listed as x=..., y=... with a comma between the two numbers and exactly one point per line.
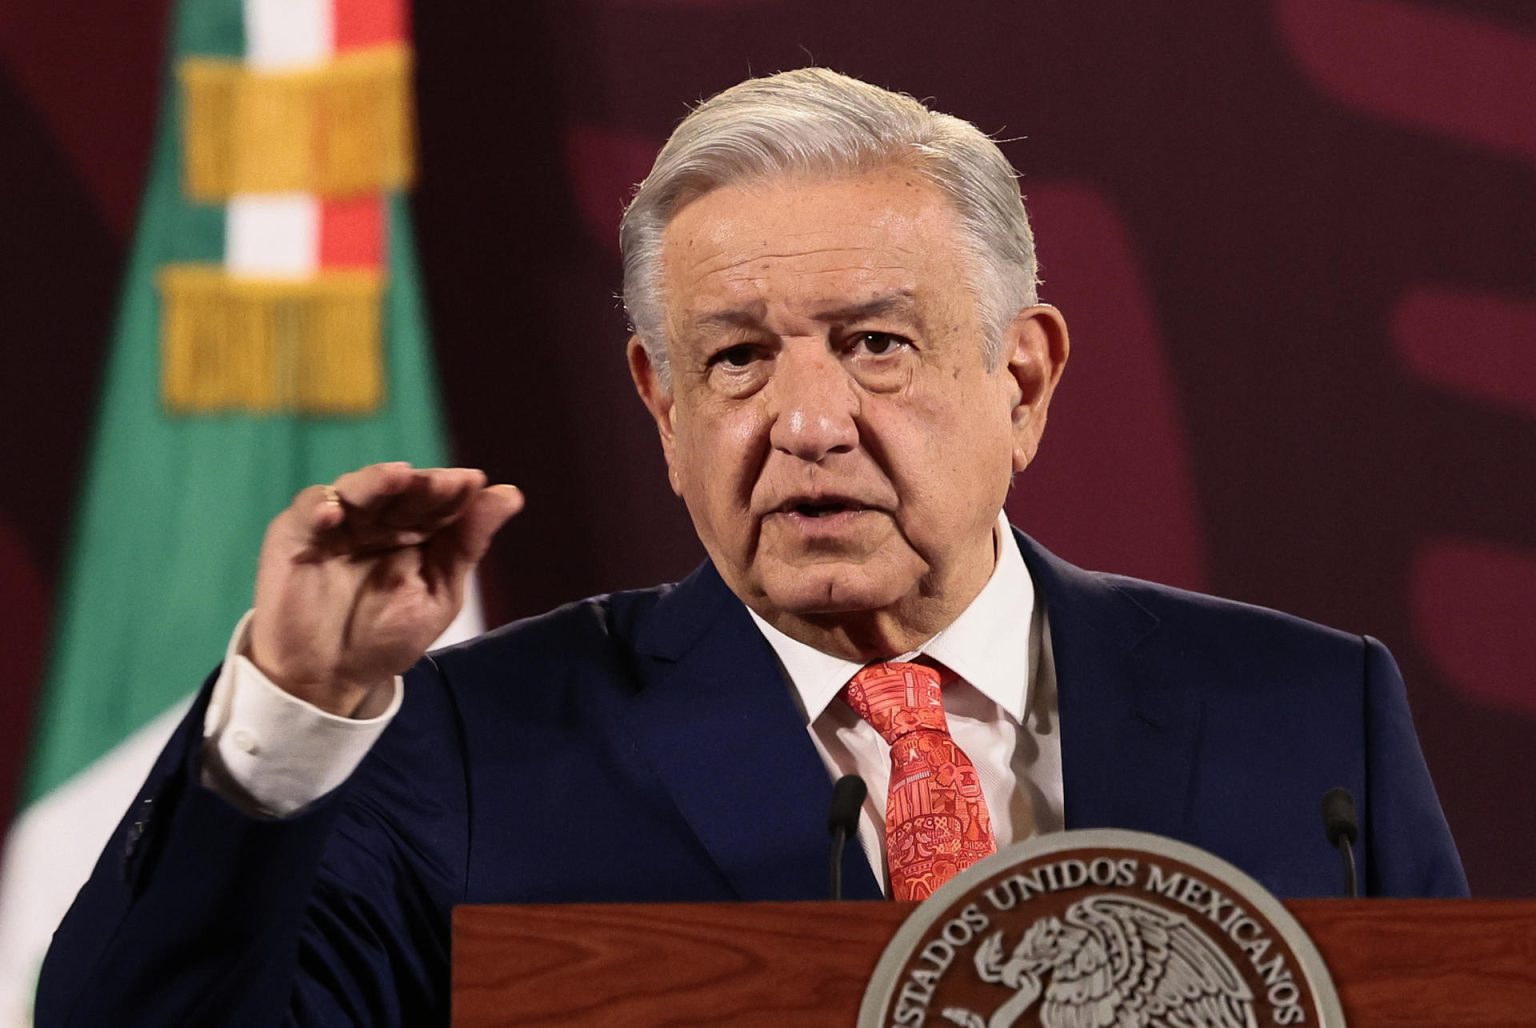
x=331, y=495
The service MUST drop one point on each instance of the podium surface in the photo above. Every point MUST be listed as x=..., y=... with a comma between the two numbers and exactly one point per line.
x=1395, y=962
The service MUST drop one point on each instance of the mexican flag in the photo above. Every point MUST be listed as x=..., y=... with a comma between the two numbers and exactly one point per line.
x=271, y=335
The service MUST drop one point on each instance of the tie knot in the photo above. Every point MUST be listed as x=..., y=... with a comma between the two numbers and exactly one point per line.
x=898, y=699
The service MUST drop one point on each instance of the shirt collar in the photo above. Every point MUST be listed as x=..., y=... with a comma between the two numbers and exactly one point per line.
x=987, y=645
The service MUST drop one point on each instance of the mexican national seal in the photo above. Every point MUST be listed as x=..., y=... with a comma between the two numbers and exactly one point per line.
x=1101, y=929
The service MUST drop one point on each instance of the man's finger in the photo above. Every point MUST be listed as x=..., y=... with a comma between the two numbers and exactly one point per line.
x=400, y=496
x=318, y=509
x=386, y=506
x=314, y=511
x=431, y=499
x=471, y=535
x=391, y=505
x=366, y=487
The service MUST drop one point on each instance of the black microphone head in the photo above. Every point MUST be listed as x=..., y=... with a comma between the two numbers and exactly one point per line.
x=847, y=798
x=1339, y=816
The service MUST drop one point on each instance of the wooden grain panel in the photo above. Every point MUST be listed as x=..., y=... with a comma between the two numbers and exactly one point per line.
x=1431, y=963
x=1397, y=962
x=776, y=964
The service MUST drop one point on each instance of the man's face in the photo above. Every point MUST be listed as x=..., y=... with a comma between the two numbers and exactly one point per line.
x=832, y=427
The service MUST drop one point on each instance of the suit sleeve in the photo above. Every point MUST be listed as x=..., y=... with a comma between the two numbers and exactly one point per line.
x=1410, y=849
x=198, y=913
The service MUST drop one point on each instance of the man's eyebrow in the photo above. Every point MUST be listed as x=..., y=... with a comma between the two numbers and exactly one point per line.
x=750, y=316
x=900, y=302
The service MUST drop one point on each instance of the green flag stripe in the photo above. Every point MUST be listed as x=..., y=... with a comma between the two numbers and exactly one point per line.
x=172, y=509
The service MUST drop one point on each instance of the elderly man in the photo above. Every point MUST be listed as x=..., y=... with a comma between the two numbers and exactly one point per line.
x=837, y=335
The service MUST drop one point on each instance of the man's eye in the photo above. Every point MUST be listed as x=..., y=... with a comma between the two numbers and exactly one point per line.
x=736, y=356
x=879, y=343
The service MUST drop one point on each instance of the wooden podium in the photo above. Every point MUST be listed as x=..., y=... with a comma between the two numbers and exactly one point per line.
x=1440, y=963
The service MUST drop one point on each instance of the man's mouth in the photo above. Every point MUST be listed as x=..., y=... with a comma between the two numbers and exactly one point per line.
x=822, y=510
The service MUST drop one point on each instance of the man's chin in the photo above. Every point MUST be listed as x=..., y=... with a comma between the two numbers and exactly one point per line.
x=830, y=590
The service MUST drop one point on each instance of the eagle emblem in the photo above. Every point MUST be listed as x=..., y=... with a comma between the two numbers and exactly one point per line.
x=1112, y=961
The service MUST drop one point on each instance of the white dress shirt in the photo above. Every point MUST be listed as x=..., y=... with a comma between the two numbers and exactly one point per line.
x=273, y=754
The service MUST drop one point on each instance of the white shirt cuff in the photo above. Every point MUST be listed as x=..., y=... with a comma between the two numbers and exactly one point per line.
x=270, y=752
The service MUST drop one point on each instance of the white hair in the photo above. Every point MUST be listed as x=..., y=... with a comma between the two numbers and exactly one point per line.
x=818, y=122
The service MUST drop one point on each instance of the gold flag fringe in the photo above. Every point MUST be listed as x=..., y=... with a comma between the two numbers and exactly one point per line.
x=338, y=130
x=268, y=346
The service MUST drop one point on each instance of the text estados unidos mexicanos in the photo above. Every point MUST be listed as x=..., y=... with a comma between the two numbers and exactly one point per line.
x=1233, y=921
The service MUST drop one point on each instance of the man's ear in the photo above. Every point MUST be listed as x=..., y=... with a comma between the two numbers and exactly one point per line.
x=1036, y=347
x=658, y=400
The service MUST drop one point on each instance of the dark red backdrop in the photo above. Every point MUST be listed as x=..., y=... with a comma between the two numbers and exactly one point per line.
x=1295, y=240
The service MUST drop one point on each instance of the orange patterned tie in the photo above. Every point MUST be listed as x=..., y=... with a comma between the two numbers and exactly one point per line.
x=936, y=820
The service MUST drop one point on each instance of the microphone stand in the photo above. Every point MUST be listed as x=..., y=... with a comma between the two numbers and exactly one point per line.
x=842, y=821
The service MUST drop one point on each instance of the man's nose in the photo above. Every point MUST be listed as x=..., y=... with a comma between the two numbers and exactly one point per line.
x=815, y=403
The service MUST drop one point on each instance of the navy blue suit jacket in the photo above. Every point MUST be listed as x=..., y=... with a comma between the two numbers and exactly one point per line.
x=642, y=746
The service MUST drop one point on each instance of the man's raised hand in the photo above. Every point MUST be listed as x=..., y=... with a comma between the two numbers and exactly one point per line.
x=356, y=579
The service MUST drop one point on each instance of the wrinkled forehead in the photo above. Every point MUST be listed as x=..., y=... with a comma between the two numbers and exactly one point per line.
x=770, y=190
x=830, y=242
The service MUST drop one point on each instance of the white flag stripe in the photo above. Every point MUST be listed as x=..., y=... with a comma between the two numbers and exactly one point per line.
x=287, y=34
x=272, y=235
x=50, y=850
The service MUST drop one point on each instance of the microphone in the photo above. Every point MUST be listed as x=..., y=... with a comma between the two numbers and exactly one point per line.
x=843, y=821
x=1343, y=829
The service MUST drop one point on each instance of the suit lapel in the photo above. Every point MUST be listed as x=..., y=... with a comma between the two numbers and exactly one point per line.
x=718, y=725
x=1129, y=723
